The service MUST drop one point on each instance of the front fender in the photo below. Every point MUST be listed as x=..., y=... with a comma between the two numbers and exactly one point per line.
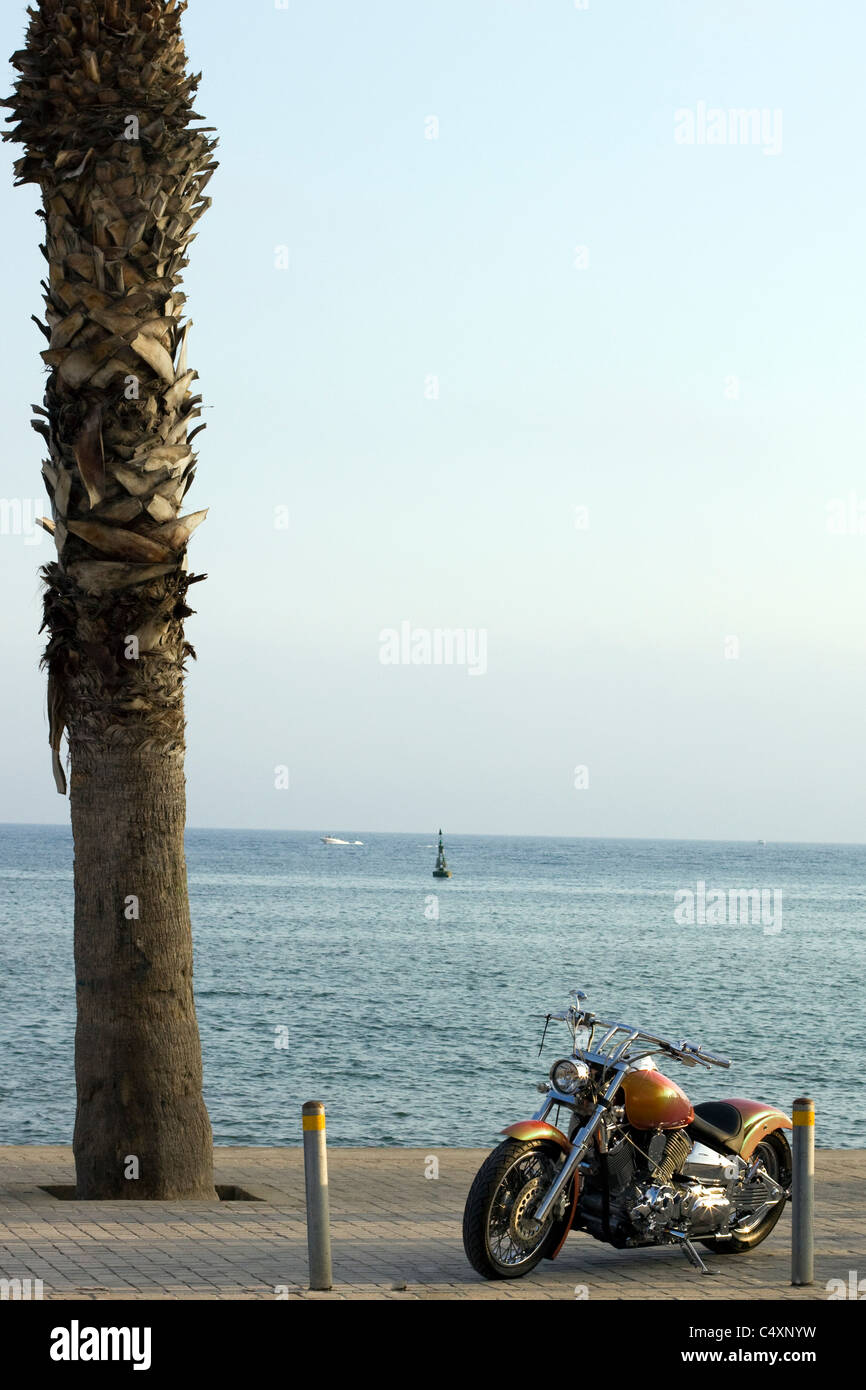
x=540, y=1129
x=537, y=1129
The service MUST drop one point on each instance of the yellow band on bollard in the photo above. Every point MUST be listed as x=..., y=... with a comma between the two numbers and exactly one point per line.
x=803, y=1117
x=314, y=1122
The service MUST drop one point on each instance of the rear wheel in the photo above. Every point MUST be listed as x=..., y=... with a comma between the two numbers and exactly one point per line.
x=500, y=1237
x=775, y=1154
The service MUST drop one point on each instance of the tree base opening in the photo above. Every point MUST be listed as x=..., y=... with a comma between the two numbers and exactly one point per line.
x=227, y=1192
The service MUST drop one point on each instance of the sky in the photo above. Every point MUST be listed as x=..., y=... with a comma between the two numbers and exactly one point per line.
x=501, y=334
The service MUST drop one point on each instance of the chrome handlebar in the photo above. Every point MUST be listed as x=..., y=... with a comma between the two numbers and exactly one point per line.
x=689, y=1053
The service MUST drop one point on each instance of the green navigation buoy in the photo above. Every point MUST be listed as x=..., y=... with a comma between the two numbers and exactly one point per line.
x=442, y=870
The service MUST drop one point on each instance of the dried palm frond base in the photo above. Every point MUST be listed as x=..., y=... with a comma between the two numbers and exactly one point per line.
x=104, y=108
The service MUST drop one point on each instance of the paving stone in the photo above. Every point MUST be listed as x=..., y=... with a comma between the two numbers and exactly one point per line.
x=390, y=1227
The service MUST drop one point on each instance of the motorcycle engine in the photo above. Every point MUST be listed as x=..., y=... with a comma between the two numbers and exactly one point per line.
x=643, y=1192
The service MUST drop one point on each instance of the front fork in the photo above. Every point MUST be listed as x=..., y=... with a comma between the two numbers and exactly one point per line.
x=581, y=1140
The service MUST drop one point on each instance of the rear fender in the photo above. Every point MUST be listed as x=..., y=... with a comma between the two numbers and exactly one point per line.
x=759, y=1120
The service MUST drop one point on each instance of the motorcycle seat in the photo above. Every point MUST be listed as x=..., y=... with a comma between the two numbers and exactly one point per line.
x=718, y=1123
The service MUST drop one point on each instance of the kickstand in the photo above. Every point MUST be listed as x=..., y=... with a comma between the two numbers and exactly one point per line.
x=692, y=1255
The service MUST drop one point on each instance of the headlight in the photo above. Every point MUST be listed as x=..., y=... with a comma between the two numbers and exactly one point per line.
x=568, y=1076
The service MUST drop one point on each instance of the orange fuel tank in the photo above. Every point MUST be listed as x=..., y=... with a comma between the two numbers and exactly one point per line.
x=654, y=1102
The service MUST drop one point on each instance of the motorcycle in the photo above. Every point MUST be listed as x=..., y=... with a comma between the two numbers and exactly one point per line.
x=636, y=1164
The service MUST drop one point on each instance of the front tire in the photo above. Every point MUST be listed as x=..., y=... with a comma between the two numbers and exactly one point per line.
x=775, y=1154
x=500, y=1238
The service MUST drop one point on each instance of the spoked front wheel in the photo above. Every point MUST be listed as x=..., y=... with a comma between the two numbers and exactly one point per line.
x=500, y=1236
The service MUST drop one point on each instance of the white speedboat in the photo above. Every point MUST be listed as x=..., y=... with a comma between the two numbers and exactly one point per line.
x=332, y=840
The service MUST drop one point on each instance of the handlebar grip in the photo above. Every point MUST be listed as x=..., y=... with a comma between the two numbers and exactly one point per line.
x=694, y=1050
x=711, y=1057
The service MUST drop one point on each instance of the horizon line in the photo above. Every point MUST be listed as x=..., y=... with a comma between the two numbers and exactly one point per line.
x=471, y=834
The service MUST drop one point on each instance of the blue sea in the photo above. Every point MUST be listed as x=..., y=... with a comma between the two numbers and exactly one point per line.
x=412, y=1006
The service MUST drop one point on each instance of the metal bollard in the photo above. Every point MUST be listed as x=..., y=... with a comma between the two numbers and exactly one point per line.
x=803, y=1191
x=316, y=1182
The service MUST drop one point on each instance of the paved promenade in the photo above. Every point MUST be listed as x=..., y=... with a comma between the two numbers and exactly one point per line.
x=396, y=1235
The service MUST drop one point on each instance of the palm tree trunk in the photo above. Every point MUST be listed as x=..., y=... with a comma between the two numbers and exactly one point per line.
x=104, y=110
x=141, y=1129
